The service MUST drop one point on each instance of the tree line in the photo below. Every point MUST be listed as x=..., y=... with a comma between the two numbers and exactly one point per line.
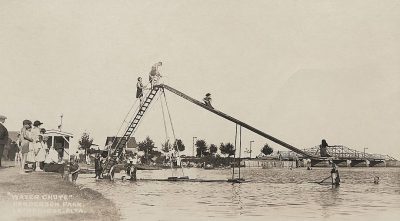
x=226, y=149
x=151, y=151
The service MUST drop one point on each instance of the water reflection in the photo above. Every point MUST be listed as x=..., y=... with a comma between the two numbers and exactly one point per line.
x=329, y=199
x=236, y=197
x=280, y=194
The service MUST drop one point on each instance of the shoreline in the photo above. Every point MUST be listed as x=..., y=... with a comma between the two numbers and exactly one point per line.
x=46, y=196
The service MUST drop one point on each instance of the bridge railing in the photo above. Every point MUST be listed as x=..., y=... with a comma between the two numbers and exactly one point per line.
x=340, y=152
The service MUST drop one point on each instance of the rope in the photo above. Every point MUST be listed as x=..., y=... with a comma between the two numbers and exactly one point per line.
x=172, y=127
x=166, y=135
x=165, y=123
x=169, y=115
x=127, y=114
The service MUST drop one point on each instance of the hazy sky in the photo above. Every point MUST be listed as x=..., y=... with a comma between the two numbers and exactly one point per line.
x=298, y=70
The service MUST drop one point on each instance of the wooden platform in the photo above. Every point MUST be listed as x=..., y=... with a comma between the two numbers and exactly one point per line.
x=186, y=180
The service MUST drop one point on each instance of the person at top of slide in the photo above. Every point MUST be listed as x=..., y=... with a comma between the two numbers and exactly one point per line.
x=154, y=74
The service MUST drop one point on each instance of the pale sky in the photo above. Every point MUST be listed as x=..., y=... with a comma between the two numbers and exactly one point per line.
x=298, y=70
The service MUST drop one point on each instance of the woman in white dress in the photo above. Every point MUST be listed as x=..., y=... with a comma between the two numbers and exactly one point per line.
x=41, y=155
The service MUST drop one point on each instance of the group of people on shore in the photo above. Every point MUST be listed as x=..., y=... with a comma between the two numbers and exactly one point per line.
x=32, y=144
x=32, y=149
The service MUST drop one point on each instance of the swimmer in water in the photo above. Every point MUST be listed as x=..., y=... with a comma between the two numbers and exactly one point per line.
x=376, y=180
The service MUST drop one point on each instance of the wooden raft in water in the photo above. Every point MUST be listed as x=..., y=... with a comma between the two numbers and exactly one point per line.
x=186, y=180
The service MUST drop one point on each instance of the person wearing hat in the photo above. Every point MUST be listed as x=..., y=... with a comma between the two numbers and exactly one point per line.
x=26, y=139
x=3, y=135
x=207, y=100
x=36, y=143
x=43, y=148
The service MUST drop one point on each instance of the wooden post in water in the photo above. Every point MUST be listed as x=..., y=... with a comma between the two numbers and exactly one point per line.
x=234, y=155
x=240, y=148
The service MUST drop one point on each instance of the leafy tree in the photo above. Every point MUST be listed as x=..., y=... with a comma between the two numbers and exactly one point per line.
x=201, y=148
x=85, y=142
x=166, y=147
x=178, y=145
x=147, y=146
x=227, y=149
x=213, y=149
x=267, y=150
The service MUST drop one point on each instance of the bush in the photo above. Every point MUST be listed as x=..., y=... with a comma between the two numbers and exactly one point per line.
x=201, y=148
x=267, y=150
x=227, y=149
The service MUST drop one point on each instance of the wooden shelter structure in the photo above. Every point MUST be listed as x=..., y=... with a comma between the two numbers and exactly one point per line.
x=60, y=141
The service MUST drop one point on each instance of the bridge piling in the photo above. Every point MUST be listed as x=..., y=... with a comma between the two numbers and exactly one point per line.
x=377, y=163
x=359, y=163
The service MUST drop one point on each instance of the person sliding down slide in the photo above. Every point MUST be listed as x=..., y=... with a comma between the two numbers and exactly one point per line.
x=207, y=100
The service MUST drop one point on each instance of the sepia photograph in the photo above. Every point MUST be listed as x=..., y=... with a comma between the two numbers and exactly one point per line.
x=198, y=110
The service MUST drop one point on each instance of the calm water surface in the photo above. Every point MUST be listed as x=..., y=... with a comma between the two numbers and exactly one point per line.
x=279, y=194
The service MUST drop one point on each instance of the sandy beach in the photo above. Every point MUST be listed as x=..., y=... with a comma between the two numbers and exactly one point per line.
x=46, y=196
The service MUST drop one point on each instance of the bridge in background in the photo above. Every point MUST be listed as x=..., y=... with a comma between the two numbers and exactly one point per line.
x=341, y=155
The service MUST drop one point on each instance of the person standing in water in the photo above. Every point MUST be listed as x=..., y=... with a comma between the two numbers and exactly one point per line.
x=335, y=175
x=97, y=166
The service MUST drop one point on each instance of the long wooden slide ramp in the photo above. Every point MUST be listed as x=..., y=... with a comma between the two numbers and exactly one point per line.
x=221, y=114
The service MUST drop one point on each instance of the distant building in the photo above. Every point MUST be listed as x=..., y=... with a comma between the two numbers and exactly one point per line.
x=131, y=144
x=58, y=139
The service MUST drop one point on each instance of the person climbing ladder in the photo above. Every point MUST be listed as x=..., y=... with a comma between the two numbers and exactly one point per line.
x=139, y=90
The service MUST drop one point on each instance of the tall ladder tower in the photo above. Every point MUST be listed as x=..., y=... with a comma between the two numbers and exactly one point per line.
x=121, y=143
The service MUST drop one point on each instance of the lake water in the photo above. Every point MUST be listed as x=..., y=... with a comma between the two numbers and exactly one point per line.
x=278, y=194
